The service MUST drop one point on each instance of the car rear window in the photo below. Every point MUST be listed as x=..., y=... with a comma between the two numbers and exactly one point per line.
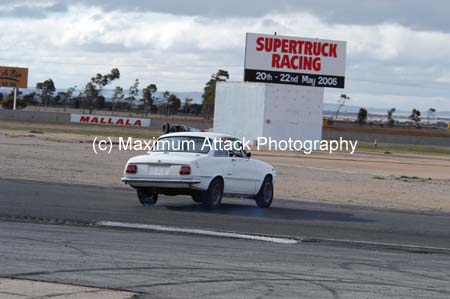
x=181, y=144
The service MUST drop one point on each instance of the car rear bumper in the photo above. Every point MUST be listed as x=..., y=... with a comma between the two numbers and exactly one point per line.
x=160, y=183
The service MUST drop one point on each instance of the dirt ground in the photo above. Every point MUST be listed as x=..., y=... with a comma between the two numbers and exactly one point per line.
x=386, y=181
x=26, y=289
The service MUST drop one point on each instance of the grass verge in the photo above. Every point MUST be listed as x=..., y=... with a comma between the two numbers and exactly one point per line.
x=408, y=149
x=83, y=129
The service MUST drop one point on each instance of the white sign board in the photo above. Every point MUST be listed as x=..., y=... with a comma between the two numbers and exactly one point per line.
x=109, y=120
x=295, y=60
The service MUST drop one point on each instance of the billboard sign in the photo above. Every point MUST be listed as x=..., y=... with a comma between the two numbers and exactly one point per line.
x=294, y=60
x=109, y=120
x=14, y=77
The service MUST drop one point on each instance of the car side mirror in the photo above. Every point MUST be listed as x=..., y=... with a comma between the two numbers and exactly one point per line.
x=249, y=155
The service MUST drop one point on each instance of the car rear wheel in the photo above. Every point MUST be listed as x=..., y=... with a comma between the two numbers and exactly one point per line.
x=146, y=197
x=213, y=196
x=197, y=197
x=264, y=197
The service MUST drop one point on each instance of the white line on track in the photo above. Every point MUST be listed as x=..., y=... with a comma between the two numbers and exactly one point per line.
x=163, y=228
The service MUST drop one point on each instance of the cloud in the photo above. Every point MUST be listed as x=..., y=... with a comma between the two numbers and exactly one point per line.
x=180, y=51
x=34, y=10
x=415, y=14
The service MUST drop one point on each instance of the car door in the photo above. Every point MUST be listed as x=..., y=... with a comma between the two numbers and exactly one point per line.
x=243, y=176
x=223, y=162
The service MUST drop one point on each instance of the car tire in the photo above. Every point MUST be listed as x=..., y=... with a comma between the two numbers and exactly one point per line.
x=264, y=197
x=213, y=196
x=197, y=197
x=146, y=197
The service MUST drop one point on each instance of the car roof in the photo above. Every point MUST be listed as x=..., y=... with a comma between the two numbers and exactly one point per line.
x=198, y=134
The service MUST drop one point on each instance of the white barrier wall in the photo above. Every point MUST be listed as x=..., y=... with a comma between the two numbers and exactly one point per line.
x=252, y=110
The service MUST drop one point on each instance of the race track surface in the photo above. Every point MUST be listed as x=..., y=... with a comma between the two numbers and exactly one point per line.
x=47, y=233
x=284, y=218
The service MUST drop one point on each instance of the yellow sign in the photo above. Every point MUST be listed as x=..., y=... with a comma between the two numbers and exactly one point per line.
x=15, y=77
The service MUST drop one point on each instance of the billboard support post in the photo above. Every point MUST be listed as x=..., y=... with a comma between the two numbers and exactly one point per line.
x=15, y=98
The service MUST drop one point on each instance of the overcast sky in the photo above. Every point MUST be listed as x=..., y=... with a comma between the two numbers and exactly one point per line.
x=397, y=51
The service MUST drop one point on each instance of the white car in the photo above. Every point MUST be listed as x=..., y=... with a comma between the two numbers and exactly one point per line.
x=202, y=165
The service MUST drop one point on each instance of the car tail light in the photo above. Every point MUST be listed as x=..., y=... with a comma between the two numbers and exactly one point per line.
x=131, y=168
x=185, y=169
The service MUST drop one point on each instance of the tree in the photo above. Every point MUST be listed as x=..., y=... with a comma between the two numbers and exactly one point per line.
x=76, y=102
x=102, y=80
x=100, y=102
x=147, y=97
x=94, y=88
x=165, y=102
x=8, y=103
x=173, y=104
x=209, y=92
x=29, y=99
x=187, y=105
x=56, y=100
x=19, y=93
x=65, y=96
x=122, y=106
x=362, y=116
x=341, y=102
x=390, y=117
x=430, y=113
x=415, y=117
x=196, y=108
x=118, y=96
x=46, y=89
x=90, y=94
x=133, y=92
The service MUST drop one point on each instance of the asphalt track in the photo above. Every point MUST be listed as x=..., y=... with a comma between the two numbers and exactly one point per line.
x=48, y=232
x=285, y=218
